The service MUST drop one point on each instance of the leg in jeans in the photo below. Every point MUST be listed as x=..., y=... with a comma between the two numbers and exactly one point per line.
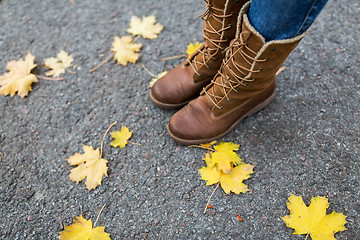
x=282, y=19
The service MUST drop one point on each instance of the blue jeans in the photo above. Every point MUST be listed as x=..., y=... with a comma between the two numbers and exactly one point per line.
x=282, y=19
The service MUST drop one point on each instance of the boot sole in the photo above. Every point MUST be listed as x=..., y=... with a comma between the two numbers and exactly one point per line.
x=200, y=141
x=169, y=106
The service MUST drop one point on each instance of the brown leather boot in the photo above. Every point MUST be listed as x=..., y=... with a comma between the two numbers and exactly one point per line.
x=244, y=85
x=185, y=82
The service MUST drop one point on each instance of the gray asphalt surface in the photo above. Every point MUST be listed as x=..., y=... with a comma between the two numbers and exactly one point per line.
x=306, y=142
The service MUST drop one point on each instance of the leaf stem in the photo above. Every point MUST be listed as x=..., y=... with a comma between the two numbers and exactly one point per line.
x=49, y=78
x=148, y=71
x=102, y=141
x=103, y=62
x=134, y=143
x=174, y=57
x=199, y=146
x=99, y=215
x=69, y=71
x=207, y=204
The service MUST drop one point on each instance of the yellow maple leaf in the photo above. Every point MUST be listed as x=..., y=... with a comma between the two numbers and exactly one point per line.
x=234, y=180
x=90, y=166
x=82, y=229
x=209, y=174
x=19, y=78
x=225, y=156
x=313, y=220
x=153, y=80
x=121, y=137
x=145, y=27
x=230, y=182
x=59, y=64
x=125, y=51
x=191, y=48
x=207, y=159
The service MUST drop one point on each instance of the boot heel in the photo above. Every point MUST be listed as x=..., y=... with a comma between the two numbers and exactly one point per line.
x=261, y=105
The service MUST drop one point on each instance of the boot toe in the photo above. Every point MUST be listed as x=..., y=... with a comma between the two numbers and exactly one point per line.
x=172, y=90
x=180, y=126
x=161, y=95
x=157, y=93
x=190, y=124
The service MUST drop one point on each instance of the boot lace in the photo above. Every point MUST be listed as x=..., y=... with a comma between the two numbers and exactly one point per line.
x=231, y=83
x=218, y=18
x=206, y=52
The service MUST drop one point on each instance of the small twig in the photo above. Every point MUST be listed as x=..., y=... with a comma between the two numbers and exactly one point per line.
x=102, y=141
x=280, y=70
x=103, y=62
x=148, y=71
x=134, y=143
x=49, y=78
x=69, y=71
x=173, y=57
x=99, y=215
x=207, y=204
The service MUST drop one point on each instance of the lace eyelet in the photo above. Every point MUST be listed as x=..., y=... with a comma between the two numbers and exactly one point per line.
x=220, y=108
x=230, y=25
x=232, y=13
x=236, y=1
x=260, y=69
x=229, y=100
x=266, y=59
x=273, y=50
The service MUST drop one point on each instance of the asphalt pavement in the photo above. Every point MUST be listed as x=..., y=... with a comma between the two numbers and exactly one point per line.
x=305, y=143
